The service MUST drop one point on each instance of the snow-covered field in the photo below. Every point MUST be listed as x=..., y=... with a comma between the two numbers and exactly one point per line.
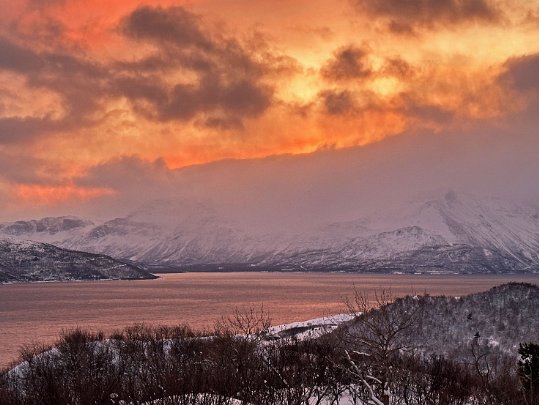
x=311, y=328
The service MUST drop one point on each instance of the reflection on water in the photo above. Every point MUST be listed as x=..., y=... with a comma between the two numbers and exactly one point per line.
x=38, y=312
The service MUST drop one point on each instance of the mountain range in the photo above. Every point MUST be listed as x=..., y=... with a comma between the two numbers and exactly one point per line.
x=453, y=234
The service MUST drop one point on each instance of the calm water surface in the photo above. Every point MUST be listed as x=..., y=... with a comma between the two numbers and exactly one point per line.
x=31, y=313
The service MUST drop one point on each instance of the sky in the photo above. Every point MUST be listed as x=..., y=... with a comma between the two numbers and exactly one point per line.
x=98, y=94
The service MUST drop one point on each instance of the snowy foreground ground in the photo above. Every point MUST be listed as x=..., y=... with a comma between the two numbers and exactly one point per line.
x=343, y=400
x=310, y=329
x=302, y=330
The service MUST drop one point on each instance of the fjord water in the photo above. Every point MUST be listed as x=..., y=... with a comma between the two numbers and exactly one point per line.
x=37, y=313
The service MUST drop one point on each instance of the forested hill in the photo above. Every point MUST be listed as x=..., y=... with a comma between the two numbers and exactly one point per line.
x=497, y=320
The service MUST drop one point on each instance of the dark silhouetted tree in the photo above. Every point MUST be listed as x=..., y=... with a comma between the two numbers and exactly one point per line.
x=528, y=371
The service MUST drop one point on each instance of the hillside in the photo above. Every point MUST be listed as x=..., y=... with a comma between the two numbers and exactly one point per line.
x=30, y=261
x=493, y=322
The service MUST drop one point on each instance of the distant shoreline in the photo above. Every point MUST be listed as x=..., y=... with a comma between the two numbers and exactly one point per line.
x=160, y=272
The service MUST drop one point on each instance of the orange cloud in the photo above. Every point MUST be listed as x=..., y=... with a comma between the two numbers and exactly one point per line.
x=51, y=195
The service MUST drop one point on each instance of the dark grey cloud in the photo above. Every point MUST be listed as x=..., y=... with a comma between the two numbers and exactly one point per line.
x=81, y=84
x=17, y=130
x=165, y=60
x=183, y=41
x=228, y=86
x=173, y=25
x=522, y=73
x=241, y=98
x=398, y=67
x=406, y=15
x=141, y=90
x=401, y=28
x=19, y=59
x=78, y=82
x=348, y=63
x=229, y=80
x=23, y=59
x=222, y=123
x=337, y=102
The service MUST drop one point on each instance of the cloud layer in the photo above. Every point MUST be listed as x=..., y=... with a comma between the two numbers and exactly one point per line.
x=94, y=95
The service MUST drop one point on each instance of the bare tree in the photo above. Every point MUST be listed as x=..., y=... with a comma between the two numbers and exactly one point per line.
x=252, y=323
x=376, y=338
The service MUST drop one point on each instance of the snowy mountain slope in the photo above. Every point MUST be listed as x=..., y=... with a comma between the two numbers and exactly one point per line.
x=454, y=233
x=32, y=261
x=503, y=227
x=168, y=233
x=46, y=229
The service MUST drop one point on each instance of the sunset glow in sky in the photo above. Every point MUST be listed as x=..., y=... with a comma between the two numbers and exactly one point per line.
x=176, y=83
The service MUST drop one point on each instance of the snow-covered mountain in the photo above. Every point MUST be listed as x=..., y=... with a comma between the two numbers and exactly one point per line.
x=453, y=233
x=33, y=261
x=450, y=234
x=49, y=225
